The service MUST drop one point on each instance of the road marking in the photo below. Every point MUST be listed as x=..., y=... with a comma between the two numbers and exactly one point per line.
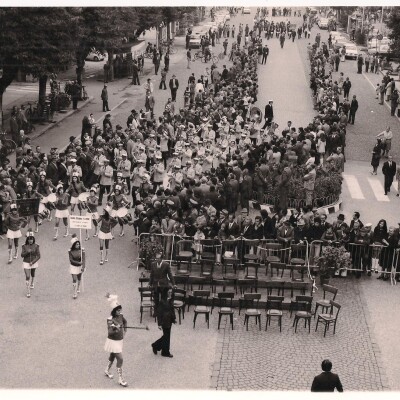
x=108, y=112
x=377, y=188
x=353, y=186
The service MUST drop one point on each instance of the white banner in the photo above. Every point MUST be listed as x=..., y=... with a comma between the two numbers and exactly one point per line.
x=80, y=222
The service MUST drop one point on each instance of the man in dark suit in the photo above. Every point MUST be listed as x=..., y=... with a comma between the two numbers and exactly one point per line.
x=173, y=85
x=285, y=234
x=160, y=278
x=52, y=171
x=269, y=114
x=353, y=110
x=232, y=228
x=389, y=171
x=327, y=381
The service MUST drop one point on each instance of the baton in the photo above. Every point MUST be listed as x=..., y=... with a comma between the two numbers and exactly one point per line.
x=137, y=327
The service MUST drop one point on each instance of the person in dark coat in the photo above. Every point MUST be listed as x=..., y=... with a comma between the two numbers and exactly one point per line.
x=160, y=278
x=353, y=110
x=269, y=114
x=165, y=318
x=389, y=171
x=104, y=98
x=327, y=381
x=376, y=156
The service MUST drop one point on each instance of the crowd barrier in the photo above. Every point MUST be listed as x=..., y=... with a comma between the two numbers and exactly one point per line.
x=176, y=248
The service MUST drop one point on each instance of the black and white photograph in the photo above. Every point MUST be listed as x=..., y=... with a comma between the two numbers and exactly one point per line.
x=199, y=197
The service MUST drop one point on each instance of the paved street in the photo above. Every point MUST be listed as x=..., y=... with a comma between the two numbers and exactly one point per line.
x=52, y=341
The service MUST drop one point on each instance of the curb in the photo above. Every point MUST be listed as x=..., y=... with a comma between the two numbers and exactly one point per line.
x=63, y=117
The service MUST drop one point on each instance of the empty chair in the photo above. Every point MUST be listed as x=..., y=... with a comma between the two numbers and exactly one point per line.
x=225, y=300
x=184, y=255
x=252, y=302
x=179, y=301
x=277, y=270
x=270, y=252
x=207, y=268
x=194, y=280
x=330, y=293
x=250, y=249
x=146, y=301
x=302, y=307
x=298, y=254
x=251, y=269
x=200, y=299
x=209, y=249
x=297, y=272
x=247, y=285
x=181, y=280
x=274, y=310
x=329, y=318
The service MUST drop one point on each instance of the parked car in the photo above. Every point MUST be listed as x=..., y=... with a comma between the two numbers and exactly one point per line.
x=351, y=51
x=195, y=40
x=323, y=23
x=338, y=44
x=246, y=11
x=95, y=55
x=337, y=36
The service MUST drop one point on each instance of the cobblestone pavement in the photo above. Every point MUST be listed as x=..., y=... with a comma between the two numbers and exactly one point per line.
x=260, y=360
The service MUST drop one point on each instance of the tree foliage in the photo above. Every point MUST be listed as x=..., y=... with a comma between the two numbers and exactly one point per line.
x=394, y=25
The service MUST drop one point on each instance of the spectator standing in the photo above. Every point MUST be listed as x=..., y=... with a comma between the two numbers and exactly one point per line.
x=309, y=183
x=389, y=171
x=327, y=381
x=353, y=110
x=104, y=98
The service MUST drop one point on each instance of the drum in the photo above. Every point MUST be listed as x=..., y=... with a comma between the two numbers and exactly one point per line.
x=51, y=198
x=121, y=212
x=83, y=196
x=43, y=213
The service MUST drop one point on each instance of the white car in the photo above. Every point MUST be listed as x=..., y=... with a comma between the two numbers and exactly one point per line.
x=246, y=11
x=323, y=23
x=337, y=36
x=195, y=40
x=95, y=55
x=351, y=51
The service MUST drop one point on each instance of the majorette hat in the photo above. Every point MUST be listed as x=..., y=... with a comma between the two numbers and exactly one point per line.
x=74, y=239
x=113, y=301
x=29, y=233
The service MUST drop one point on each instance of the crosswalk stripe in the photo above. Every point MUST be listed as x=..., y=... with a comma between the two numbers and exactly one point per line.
x=353, y=186
x=378, y=190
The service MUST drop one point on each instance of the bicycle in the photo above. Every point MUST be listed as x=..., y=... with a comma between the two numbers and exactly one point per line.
x=212, y=58
x=7, y=146
x=168, y=46
x=198, y=55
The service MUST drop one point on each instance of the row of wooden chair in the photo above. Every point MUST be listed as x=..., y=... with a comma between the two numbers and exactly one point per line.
x=301, y=305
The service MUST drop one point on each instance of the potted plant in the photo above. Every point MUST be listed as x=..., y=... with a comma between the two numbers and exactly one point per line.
x=333, y=259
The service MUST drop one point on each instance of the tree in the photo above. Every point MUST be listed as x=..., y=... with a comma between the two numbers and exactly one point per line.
x=394, y=25
x=39, y=41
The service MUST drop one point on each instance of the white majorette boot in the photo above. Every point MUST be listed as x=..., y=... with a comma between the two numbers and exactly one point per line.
x=66, y=232
x=56, y=234
x=16, y=253
x=107, y=371
x=9, y=256
x=120, y=378
x=28, y=290
x=75, y=295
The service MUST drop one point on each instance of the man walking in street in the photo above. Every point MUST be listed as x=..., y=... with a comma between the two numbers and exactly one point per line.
x=353, y=110
x=327, y=381
x=346, y=88
x=165, y=318
x=268, y=114
x=389, y=171
x=104, y=97
x=225, y=44
x=360, y=63
x=265, y=52
x=174, y=86
x=163, y=78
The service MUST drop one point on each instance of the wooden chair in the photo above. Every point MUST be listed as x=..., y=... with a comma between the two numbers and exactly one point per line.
x=247, y=285
x=297, y=272
x=179, y=299
x=270, y=252
x=183, y=255
x=298, y=254
x=209, y=249
x=201, y=296
x=278, y=269
x=207, y=268
x=279, y=286
x=225, y=300
x=329, y=318
x=252, y=301
x=302, y=308
x=274, y=310
x=325, y=303
x=146, y=301
x=250, y=249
